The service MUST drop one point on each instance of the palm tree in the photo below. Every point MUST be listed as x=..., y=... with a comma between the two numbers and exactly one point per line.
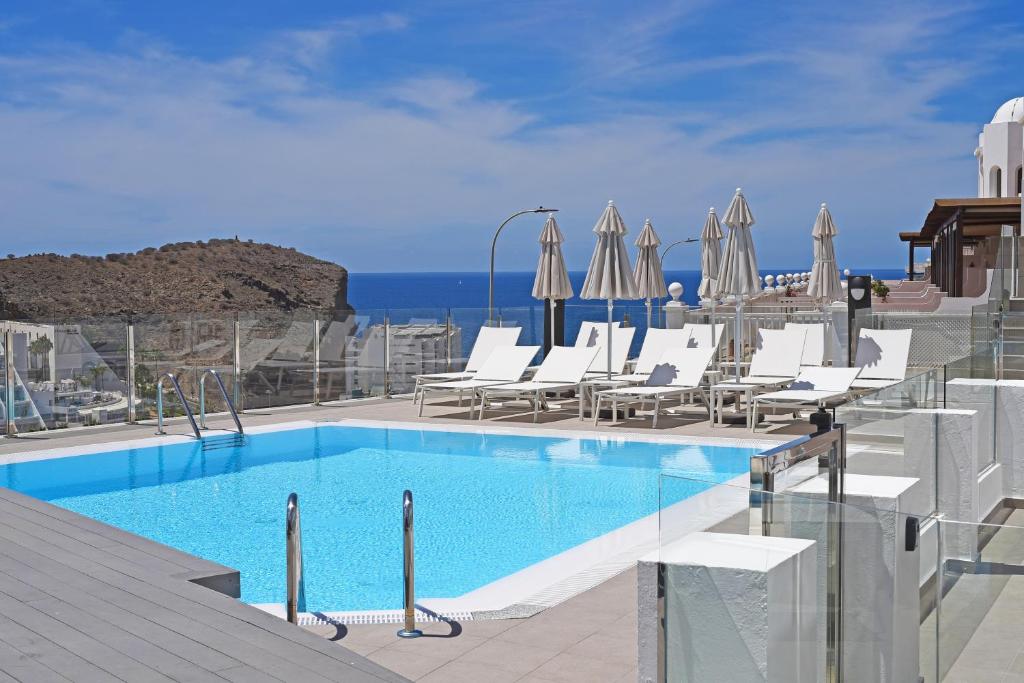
x=41, y=347
x=97, y=371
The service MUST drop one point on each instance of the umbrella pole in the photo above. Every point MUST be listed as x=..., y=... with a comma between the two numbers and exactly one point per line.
x=552, y=304
x=738, y=338
x=648, y=313
x=609, y=342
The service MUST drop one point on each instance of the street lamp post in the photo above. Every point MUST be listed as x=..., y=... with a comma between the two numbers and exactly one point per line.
x=494, y=244
x=664, y=252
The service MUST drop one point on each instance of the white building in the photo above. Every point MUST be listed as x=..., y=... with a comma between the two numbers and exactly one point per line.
x=1000, y=152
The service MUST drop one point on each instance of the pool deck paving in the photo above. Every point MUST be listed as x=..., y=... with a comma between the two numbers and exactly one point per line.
x=90, y=602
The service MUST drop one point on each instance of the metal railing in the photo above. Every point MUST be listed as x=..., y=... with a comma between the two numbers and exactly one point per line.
x=9, y=385
x=296, y=596
x=826, y=449
x=223, y=393
x=409, y=629
x=181, y=397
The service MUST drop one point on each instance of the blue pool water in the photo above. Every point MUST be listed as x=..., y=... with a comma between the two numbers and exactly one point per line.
x=486, y=505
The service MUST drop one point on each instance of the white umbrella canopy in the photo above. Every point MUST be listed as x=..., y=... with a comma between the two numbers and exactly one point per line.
x=609, y=275
x=738, y=276
x=825, y=284
x=650, y=280
x=710, y=255
x=552, y=279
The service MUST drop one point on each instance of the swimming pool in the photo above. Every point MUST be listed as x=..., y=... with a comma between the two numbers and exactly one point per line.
x=487, y=504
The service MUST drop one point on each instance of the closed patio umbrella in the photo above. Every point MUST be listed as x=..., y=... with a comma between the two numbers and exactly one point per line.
x=738, y=276
x=650, y=281
x=710, y=255
x=825, y=285
x=609, y=276
x=552, y=279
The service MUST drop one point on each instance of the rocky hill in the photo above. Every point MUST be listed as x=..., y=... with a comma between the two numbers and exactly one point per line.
x=215, y=276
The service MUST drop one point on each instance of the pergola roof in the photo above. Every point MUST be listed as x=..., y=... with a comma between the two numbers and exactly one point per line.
x=979, y=217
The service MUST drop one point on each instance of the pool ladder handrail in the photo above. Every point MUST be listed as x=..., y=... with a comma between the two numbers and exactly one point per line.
x=296, y=589
x=223, y=392
x=181, y=397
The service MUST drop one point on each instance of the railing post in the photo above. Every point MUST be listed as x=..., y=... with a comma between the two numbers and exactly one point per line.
x=834, y=559
x=448, y=341
x=236, y=366
x=9, y=381
x=387, y=357
x=296, y=591
x=316, y=359
x=130, y=370
x=409, y=629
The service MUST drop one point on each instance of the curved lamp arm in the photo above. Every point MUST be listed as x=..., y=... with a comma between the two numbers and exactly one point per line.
x=494, y=244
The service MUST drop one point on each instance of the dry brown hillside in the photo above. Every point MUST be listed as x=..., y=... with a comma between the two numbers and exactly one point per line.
x=214, y=276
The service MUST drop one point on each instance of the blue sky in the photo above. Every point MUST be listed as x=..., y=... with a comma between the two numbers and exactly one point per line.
x=395, y=136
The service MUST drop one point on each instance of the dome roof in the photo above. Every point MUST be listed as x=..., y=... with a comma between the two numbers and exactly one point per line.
x=1012, y=110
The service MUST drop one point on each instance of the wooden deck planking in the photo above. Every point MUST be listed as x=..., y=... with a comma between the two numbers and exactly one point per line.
x=83, y=601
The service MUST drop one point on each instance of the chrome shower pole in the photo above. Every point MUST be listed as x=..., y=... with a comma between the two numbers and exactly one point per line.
x=409, y=629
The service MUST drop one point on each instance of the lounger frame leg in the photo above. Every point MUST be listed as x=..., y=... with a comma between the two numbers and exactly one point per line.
x=595, y=406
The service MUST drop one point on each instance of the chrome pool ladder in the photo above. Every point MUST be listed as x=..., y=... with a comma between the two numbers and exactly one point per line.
x=181, y=397
x=295, y=601
x=223, y=393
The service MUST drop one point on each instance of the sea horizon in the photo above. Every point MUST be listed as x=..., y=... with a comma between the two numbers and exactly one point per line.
x=468, y=289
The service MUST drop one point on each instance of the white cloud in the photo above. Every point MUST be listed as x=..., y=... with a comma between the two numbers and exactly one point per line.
x=115, y=151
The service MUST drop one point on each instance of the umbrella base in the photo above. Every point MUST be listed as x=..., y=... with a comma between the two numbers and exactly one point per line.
x=731, y=417
x=606, y=414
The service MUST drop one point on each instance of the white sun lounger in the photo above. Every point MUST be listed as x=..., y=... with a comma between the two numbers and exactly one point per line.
x=486, y=340
x=592, y=333
x=505, y=364
x=777, y=358
x=813, y=387
x=622, y=338
x=562, y=370
x=678, y=372
x=656, y=343
x=882, y=358
x=814, y=344
x=699, y=335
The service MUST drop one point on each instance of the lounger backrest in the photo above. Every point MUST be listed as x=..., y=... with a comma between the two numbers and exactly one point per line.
x=566, y=364
x=486, y=340
x=883, y=354
x=593, y=334
x=681, y=367
x=837, y=380
x=700, y=335
x=656, y=343
x=779, y=353
x=622, y=337
x=814, y=345
x=507, y=363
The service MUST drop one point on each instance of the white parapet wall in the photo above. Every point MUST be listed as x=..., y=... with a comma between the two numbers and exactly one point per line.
x=941, y=449
x=1009, y=430
x=881, y=596
x=736, y=608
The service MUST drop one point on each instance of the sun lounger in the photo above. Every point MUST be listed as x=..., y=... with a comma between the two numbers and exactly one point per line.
x=814, y=344
x=592, y=333
x=562, y=370
x=486, y=340
x=622, y=338
x=699, y=335
x=678, y=372
x=656, y=343
x=505, y=364
x=814, y=387
x=882, y=358
x=775, y=362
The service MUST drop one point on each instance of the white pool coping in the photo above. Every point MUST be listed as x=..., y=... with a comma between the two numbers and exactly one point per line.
x=537, y=586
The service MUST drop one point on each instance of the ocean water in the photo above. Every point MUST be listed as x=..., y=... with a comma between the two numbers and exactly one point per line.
x=486, y=505
x=427, y=297
x=368, y=291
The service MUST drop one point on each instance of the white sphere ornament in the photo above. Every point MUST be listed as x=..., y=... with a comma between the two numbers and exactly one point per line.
x=769, y=280
x=846, y=272
x=675, y=290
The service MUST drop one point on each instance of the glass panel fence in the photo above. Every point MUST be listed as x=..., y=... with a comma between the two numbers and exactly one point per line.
x=979, y=611
x=419, y=343
x=823, y=587
x=276, y=353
